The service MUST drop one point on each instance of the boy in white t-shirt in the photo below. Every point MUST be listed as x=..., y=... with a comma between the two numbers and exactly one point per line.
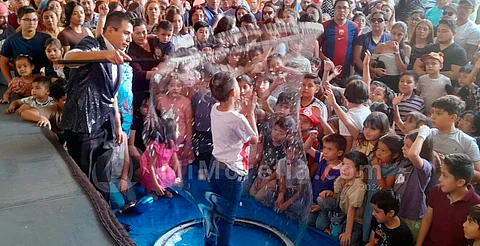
x=232, y=133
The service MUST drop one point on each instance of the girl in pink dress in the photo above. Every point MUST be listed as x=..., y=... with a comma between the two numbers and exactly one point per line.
x=175, y=106
x=157, y=173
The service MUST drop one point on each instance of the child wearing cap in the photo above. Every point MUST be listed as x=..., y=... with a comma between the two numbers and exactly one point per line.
x=432, y=85
x=308, y=121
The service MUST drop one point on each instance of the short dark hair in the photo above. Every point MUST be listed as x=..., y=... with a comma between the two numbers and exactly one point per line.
x=411, y=74
x=460, y=166
x=221, y=85
x=316, y=61
x=466, y=69
x=387, y=200
x=474, y=213
x=339, y=141
x=451, y=104
x=58, y=89
x=25, y=10
x=306, y=17
x=379, y=12
x=138, y=22
x=357, y=157
x=248, y=18
x=337, y=1
x=418, y=11
x=286, y=123
x=289, y=97
x=165, y=25
x=44, y=81
x=356, y=92
x=116, y=19
x=450, y=23
x=245, y=79
x=200, y=24
x=313, y=76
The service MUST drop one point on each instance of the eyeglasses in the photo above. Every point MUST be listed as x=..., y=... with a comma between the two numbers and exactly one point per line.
x=268, y=12
x=29, y=20
x=448, y=13
x=377, y=20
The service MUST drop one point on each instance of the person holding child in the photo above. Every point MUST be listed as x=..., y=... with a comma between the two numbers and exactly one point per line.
x=39, y=98
x=22, y=86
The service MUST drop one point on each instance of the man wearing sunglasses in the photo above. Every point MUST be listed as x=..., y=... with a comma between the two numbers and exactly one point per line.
x=468, y=33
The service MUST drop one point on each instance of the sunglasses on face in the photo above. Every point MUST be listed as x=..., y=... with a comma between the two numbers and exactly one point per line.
x=448, y=13
x=268, y=12
x=377, y=20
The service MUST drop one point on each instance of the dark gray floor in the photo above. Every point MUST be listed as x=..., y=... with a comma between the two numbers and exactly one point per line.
x=40, y=204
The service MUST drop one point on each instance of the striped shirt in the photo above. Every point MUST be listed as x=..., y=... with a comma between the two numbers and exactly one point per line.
x=411, y=104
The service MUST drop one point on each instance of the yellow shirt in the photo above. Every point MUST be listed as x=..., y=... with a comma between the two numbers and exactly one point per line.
x=53, y=34
x=352, y=193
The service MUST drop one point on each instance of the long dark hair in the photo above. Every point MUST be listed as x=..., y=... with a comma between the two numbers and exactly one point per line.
x=69, y=11
x=394, y=143
x=401, y=44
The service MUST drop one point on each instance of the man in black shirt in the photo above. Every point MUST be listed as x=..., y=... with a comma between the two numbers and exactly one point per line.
x=455, y=56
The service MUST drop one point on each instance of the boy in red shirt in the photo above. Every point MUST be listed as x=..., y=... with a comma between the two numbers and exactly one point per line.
x=449, y=203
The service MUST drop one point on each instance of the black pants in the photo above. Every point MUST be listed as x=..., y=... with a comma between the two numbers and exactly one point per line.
x=91, y=152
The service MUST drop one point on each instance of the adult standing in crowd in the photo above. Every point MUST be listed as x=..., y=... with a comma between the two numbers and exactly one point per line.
x=91, y=119
x=28, y=42
x=468, y=33
x=50, y=22
x=370, y=40
x=74, y=32
x=181, y=38
x=213, y=13
x=13, y=17
x=336, y=42
x=141, y=47
x=415, y=17
x=91, y=18
x=421, y=38
x=5, y=29
x=152, y=16
x=454, y=55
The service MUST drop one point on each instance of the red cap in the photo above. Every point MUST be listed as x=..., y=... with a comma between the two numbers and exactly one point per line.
x=307, y=112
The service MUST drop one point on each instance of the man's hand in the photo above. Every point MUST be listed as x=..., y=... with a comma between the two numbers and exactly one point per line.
x=118, y=57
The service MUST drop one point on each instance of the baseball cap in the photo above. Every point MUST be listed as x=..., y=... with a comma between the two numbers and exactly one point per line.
x=307, y=112
x=469, y=2
x=452, y=6
x=434, y=55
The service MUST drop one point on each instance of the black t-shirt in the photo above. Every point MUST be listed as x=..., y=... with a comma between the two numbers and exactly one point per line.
x=400, y=236
x=452, y=55
x=137, y=125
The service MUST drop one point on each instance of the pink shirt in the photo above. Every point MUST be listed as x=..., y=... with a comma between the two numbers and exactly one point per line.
x=177, y=110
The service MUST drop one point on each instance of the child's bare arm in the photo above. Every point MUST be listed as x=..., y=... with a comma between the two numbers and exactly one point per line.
x=307, y=146
x=176, y=166
x=14, y=105
x=6, y=96
x=35, y=116
x=126, y=161
x=416, y=148
x=366, y=70
x=295, y=196
x=425, y=226
x=330, y=100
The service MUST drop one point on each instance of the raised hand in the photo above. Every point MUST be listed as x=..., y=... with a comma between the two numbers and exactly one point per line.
x=337, y=70
x=397, y=99
x=367, y=59
x=103, y=9
x=329, y=97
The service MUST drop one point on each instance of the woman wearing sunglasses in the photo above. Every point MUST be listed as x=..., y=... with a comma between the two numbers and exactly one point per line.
x=370, y=40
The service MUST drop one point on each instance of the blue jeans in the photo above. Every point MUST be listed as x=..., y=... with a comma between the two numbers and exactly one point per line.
x=228, y=186
x=117, y=199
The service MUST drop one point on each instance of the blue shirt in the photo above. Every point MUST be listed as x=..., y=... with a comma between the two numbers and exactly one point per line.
x=125, y=98
x=210, y=14
x=324, y=177
x=366, y=41
x=16, y=45
x=434, y=15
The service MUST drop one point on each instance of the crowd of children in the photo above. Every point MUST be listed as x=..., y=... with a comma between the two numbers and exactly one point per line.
x=364, y=163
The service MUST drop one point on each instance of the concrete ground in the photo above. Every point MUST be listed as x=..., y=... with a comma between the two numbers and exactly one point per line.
x=41, y=204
